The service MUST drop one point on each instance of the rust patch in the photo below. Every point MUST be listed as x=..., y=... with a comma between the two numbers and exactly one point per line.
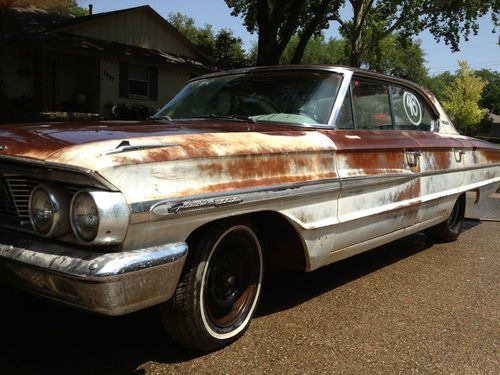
x=44, y=140
x=368, y=140
x=202, y=146
x=437, y=160
x=409, y=192
x=243, y=168
x=490, y=156
x=252, y=183
x=373, y=163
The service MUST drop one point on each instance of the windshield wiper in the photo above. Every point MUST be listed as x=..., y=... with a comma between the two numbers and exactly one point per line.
x=227, y=117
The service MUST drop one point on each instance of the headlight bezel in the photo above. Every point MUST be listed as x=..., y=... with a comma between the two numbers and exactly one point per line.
x=59, y=200
x=113, y=217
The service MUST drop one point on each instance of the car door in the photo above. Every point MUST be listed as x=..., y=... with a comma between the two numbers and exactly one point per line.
x=441, y=155
x=378, y=167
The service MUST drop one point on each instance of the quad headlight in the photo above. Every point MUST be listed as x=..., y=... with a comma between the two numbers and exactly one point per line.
x=99, y=217
x=84, y=216
x=49, y=210
x=96, y=217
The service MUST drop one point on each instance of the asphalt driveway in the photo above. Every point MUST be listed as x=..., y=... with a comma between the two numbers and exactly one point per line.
x=405, y=308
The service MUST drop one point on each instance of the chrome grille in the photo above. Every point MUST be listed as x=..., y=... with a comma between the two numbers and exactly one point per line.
x=20, y=188
x=15, y=190
x=7, y=206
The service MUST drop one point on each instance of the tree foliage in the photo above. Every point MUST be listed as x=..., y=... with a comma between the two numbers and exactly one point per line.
x=69, y=7
x=439, y=84
x=317, y=51
x=222, y=47
x=277, y=21
x=397, y=56
x=368, y=23
x=490, y=97
x=464, y=95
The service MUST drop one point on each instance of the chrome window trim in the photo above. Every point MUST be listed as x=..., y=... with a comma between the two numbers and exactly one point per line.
x=341, y=93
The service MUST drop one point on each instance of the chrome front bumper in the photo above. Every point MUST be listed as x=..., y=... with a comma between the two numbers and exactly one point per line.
x=104, y=283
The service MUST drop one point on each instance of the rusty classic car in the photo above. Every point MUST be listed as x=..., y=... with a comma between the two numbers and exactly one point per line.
x=243, y=171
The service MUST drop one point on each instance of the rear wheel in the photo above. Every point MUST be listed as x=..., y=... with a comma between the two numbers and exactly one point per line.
x=449, y=230
x=218, y=290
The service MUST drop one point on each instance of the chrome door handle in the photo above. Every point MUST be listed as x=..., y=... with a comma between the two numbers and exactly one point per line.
x=459, y=155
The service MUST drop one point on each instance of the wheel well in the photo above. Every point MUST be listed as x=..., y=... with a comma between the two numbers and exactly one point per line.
x=281, y=244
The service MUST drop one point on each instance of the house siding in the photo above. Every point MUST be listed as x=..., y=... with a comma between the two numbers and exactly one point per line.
x=148, y=32
x=16, y=71
x=170, y=81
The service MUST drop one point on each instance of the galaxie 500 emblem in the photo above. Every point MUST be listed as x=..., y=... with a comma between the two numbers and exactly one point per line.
x=165, y=208
x=3, y=148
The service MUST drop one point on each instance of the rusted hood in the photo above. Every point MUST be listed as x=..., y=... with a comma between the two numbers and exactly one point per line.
x=41, y=140
x=95, y=145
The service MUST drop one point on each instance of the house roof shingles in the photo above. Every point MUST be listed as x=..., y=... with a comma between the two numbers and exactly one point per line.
x=41, y=28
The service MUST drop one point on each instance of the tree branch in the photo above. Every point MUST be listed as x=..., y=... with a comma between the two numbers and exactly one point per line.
x=309, y=30
x=398, y=24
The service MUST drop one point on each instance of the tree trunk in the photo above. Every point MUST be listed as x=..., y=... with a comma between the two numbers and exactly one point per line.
x=309, y=31
x=276, y=27
x=356, y=33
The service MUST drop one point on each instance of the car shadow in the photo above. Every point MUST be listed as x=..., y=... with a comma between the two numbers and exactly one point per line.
x=277, y=297
x=40, y=337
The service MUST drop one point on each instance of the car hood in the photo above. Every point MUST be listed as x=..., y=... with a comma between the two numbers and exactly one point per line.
x=97, y=145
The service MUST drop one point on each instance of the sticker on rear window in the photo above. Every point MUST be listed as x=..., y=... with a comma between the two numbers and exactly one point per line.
x=412, y=108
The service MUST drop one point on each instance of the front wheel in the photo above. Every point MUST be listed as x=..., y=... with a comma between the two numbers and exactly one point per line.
x=449, y=230
x=219, y=289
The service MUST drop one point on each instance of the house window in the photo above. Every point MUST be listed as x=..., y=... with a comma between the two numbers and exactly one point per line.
x=138, y=81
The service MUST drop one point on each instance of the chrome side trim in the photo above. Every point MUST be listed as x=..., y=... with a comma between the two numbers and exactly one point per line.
x=360, y=182
x=458, y=170
x=164, y=207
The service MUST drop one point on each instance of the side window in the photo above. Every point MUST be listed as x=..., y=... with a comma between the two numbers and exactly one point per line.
x=410, y=111
x=371, y=105
x=344, y=121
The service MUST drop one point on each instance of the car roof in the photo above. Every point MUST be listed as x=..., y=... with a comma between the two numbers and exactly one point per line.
x=358, y=73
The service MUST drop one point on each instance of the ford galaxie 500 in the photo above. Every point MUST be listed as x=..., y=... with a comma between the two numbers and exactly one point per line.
x=262, y=168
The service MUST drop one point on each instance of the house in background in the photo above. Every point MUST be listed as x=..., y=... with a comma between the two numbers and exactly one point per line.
x=88, y=64
x=494, y=124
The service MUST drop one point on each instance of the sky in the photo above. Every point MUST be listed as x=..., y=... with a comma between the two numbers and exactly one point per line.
x=481, y=51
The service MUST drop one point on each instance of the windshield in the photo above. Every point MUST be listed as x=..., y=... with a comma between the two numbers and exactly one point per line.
x=296, y=97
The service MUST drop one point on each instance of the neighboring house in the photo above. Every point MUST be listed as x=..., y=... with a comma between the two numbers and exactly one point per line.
x=88, y=64
x=494, y=126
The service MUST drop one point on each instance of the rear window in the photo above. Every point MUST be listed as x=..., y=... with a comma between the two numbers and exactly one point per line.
x=410, y=112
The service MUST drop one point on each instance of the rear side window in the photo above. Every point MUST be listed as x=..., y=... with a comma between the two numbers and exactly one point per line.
x=410, y=111
x=371, y=105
